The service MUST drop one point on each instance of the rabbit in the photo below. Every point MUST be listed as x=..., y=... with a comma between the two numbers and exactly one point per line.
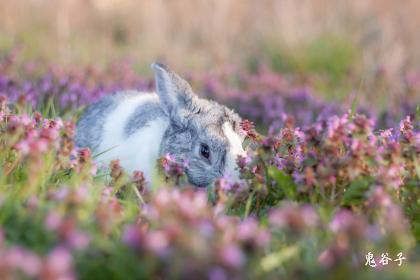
x=138, y=128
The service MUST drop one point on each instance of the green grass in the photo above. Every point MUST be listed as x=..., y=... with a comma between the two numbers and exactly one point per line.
x=329, y=59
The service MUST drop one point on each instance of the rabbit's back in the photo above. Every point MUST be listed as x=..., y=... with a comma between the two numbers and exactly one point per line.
x=128, y=126
x=90, y=125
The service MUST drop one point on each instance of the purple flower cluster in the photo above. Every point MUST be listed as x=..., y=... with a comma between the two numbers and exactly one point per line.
x=70, y=88
x=173, y=169
x=182, y=225
x=57, y=264
x=331, y=156
x=263, y=96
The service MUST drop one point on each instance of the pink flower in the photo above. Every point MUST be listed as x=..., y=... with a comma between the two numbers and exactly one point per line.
x=341, y=221
x=206, y=228
x=15, y=256
x=61, y=193
x=232, y=256
x=157, y=242
x=225, y=184
x=199, y=200
x=217, y=273
x=49, y=133
x=59, y=262
x=387, y=133
x=132, y=235
x=84, y=155
x=53, y=221
x=243, y=161
x=25, y=119
x=78, y=240
x=262, y=238
x=247, y=229
x=23, y=147
x=166, y=162
x=39, y=146
x=58, y=265
x=293, y=217
x=309, y=216
x=26, y=261
x=326, y=258
x=406, y=124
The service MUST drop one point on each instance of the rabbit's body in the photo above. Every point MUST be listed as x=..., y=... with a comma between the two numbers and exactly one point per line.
x=126, y=131
x=137, y=128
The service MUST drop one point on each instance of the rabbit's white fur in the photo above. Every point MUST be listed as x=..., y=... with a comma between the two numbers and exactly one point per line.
x=235, y=143
x=140, y=150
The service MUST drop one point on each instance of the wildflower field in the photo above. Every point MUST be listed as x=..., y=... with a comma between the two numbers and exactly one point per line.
x=330, y=189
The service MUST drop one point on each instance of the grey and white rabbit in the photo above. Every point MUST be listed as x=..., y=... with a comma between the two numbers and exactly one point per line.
x=138, y=128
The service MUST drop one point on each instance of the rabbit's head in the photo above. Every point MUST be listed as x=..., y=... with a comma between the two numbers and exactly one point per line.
x=203, y=132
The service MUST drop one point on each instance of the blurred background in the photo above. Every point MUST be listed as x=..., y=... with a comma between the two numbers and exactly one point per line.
x=334, y=46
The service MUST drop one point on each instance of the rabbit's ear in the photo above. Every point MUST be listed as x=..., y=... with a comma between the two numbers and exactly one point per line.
x=174, y=92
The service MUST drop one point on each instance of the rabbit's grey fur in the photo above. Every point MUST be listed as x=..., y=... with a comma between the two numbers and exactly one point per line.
x=90, y=126
x=142, y=127
x=144, y=113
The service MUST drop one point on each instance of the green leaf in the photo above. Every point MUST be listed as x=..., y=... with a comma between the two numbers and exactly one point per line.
x=285, y=182
x=274, y=260
x=248, y=205
x=353, y=108
x=355, y=192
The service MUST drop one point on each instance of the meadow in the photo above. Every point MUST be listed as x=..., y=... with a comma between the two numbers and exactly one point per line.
x=325, y=184
x=331, y=105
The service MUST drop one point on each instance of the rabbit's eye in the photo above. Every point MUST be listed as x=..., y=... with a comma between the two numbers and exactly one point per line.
x=204, y=151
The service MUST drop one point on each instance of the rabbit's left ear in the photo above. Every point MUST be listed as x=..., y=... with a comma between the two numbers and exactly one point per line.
x=174, y=92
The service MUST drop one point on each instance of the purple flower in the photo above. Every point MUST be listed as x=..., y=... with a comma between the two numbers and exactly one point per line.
x=247, y=229
x=23, y=260
x=217, y=273
x=132, y=235
x=78, y=240
x=232, y=256
x=59, y=264
x=342, y=220
x=53, y=220
x=157, y=242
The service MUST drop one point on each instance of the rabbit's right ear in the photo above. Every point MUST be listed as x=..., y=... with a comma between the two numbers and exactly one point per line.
x=175, y=93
